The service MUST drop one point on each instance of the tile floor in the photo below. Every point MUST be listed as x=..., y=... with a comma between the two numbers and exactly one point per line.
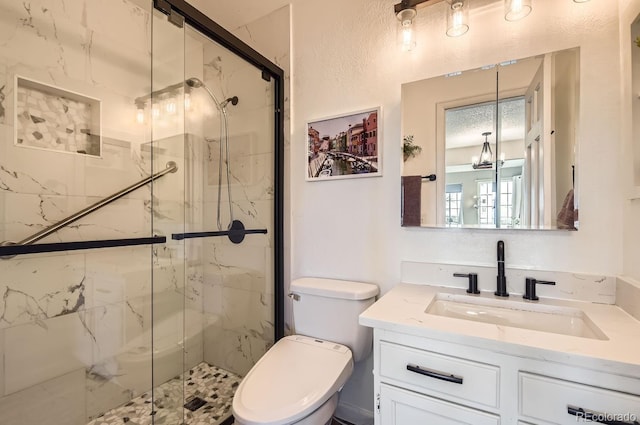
x=206, y=387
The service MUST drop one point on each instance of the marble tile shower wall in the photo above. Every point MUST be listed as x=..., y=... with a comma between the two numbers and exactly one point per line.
x=67, y=318
x=238, y=284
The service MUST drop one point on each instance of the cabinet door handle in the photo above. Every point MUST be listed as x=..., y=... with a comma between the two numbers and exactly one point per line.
x=597, y=417
x=435, y=374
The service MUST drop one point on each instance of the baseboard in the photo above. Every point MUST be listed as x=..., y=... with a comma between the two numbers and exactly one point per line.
x=354, y=414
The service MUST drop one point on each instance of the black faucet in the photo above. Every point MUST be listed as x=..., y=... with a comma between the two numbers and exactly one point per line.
x=530, y=288
x=473, y=282
x=501, y=287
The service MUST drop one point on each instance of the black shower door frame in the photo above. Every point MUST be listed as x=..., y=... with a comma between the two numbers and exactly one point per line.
x=217, y=33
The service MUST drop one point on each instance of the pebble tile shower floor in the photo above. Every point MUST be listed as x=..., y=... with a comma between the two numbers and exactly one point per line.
x=214, y=386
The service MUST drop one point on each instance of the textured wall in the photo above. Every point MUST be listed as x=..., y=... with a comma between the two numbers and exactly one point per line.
x=345, y=58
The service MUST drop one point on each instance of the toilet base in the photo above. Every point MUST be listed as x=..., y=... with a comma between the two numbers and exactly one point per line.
x=321, y=416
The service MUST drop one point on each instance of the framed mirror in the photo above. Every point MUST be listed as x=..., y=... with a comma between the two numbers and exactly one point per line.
x=501, y=142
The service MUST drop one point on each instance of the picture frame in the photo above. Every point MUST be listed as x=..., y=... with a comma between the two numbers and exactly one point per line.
x=345, y=146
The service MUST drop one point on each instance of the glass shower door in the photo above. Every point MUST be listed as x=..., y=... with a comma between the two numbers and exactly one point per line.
x=172, y=207
x=214, y=116
x=122, y=315
x=75, y=321
x=231, y=123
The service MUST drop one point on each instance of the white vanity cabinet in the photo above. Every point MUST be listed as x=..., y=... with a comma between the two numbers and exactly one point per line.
x=420, y=380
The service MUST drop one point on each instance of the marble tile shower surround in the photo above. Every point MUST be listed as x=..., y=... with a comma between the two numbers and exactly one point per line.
x=72, y=45
x=68, y=311
x=238, y=279
x=34, y=200
x=85, y=307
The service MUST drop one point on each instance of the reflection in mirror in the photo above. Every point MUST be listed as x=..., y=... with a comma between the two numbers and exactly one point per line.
x=501, y=140
x=470, y=163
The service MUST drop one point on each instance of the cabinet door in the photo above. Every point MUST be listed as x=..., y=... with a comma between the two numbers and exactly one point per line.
x=402, y=407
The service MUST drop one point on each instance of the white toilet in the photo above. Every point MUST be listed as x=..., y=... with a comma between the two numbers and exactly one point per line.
x=298, y=379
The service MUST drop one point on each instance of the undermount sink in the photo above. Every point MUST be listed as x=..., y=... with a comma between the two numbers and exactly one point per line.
x=518, y=314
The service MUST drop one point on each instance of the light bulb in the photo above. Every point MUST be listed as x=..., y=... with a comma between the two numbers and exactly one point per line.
x=485, y=156
x=140, y=115
x=457, y=18
x=170, y=106
x=516, y=9
x=406, y=35
x=408, y=41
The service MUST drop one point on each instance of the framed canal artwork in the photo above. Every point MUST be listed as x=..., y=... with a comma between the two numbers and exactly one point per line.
x=345, y=146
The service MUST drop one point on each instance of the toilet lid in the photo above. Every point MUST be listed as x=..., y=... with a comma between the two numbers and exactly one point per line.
x=295, y=377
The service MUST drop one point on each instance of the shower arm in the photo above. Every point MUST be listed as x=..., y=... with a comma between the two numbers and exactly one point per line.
x=171, y=168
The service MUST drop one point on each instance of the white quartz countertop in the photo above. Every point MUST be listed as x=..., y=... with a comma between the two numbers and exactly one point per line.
x=403, y=309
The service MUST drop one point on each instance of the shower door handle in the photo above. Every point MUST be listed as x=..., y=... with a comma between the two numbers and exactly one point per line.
x=194, y=235
x=236, y=233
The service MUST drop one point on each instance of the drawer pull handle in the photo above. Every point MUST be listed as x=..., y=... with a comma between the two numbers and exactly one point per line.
x=601, y=418
x=434, y=374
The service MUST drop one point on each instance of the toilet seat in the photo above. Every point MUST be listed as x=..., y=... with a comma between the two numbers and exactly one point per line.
x=294, y=378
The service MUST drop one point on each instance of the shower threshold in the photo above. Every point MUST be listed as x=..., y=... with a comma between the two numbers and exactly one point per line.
x=208, y=394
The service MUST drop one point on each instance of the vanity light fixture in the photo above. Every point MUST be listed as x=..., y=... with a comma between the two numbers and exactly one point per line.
x=458, y=18
x=515, y=10
x=580, y=1
x=486, y=156
x=406, y=36
x=163, y=103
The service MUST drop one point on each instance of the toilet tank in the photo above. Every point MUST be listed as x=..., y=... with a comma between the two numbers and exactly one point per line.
x=328, y=309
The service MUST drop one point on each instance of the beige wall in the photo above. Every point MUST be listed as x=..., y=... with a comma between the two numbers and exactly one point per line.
x=345, y=58
x=349, y=64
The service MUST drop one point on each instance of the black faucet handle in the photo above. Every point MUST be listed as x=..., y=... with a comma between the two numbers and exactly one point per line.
x=530, y=288
x=473, y=282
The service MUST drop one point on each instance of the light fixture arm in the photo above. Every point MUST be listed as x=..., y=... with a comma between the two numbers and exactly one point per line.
x=411, y=4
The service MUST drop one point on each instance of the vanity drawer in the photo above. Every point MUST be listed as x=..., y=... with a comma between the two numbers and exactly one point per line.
x=457, y=379
x=402, y=407
x=559, y=402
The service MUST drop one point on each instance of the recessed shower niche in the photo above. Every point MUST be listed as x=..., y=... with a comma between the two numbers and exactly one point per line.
x=51, y=118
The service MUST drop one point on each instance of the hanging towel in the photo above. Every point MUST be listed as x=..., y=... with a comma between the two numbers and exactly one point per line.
x=411, y=195
x=567, y=215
